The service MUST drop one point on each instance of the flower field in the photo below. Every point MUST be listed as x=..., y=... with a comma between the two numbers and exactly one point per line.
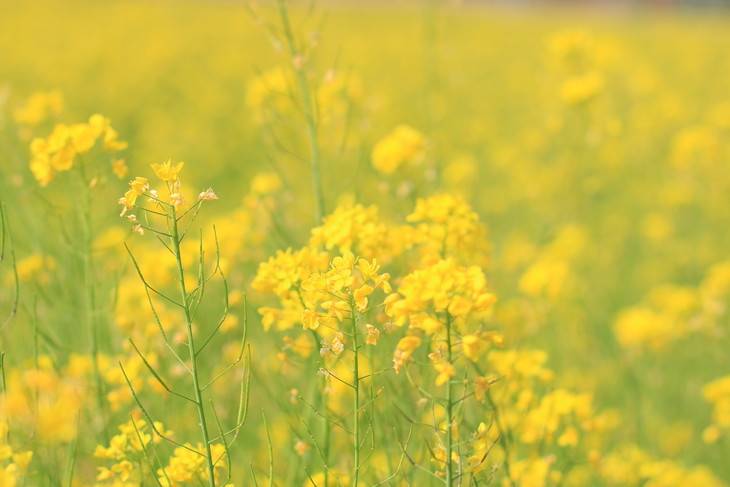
x=363, y=244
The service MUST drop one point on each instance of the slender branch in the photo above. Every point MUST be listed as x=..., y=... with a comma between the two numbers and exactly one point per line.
x=175, y=241
x=157, y=376
x=309, y=110
x=225, y=443
x=404, y=448
x=271, y=450
x=144, y=281
x=356, y=402
x=149, y=417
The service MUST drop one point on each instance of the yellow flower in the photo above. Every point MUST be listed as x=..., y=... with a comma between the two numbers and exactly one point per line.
x=301, y=448
x=310, y=319
x=403, y=145
x=443, y=286
x=444, y=369
x=482, y=385
x=167, y=171
x=137, y=187
x=22, y=460
x=119, y=168
x=270, y=89
x=446, y=226
x=373, y=334
x=38, y=107
x=188, y=465
x=403, y=351
x=361, y=296
x=265, y=183
x=59, y=151
x=582, y=88
x=360, y=230
x=569, y=437
x=717, y=393
x=472, y=346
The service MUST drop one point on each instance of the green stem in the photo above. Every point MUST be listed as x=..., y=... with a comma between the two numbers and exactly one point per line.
x=326, y=446
x=503, y=439
x=90, y=290
x=309, y=112
x=449, y=409
x=175, y=241
x=504, y=434
x=356, y=402
x=326, y=425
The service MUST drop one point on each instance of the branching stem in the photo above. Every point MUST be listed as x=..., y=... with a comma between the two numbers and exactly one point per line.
x=310, y=113
x=175, y=242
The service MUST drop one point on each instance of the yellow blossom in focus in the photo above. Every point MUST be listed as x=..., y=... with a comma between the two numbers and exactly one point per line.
x=167, y=171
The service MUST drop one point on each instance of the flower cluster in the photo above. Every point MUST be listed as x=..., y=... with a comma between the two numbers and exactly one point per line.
x=662, y=319
x=549, y=273
x=446, y=226
x=36, y=267
x=282, y=275
x=128, y=450
x=315, y=291
x=45, y=402
x=167, y=172
x=426, y=296
x=577, y=56
x=39, y=107
x=270, y=88
x=403, y=145
x=438, y=301
x=717, y=393
x=332, y=296
x=187, y=465
x=13, y=464
x=360, y=230
x=61, y=149
x=631, y=466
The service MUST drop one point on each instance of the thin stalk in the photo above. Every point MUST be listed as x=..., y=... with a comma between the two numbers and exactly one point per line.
x=175, y=242
x=503, y=433
x=503, y=439
x=326, y=448
x=310, y=115
x=321, y=402
x=449, y=409
x=87, y=262
x=2, y=373
x=271, y=449
x=356, y=402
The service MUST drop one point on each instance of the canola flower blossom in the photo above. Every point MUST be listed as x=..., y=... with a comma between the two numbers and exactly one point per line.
x=39, y=107
x=63, y=147
x=403, y=145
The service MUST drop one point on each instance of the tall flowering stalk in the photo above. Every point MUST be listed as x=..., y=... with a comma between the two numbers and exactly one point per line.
x=276, y=89
x=168, y=210
x=444, y=302
x=298, y=62
x=330, y=298
x=74, y=148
